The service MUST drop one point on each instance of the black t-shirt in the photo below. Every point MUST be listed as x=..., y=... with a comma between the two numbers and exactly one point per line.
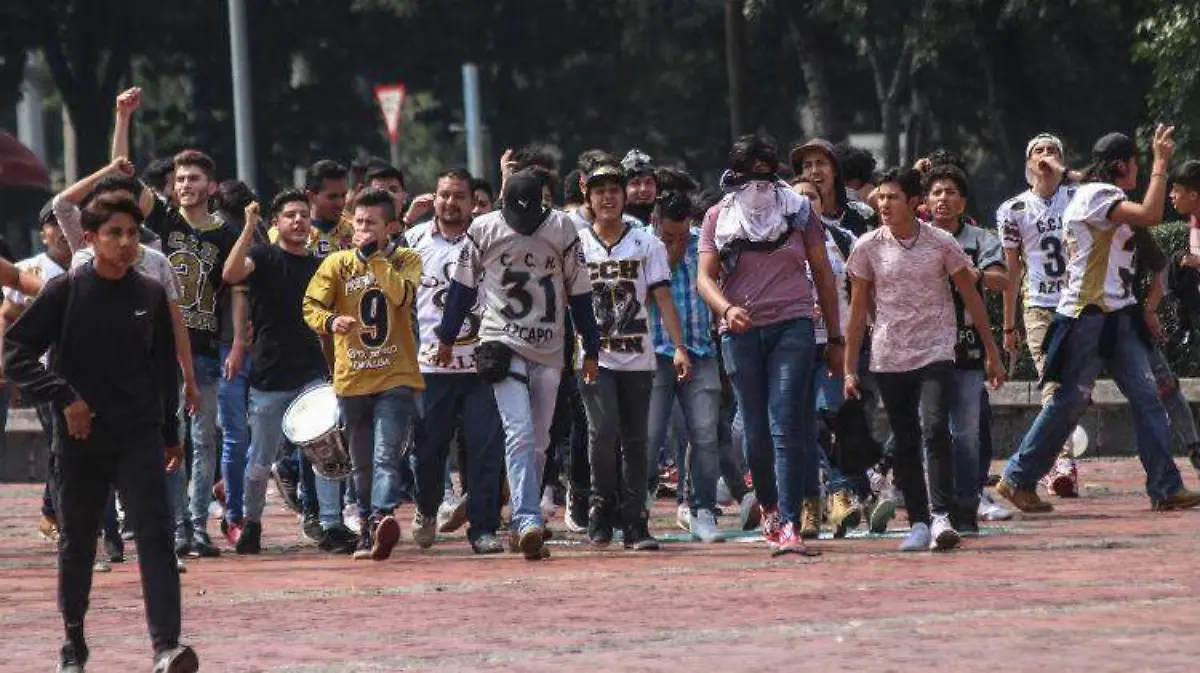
x=287, y=353
x=198, y=256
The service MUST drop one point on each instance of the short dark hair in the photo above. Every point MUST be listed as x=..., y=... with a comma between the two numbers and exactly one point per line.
x=115, y=183
x=157, y=172
x=197, y=159
x=943, y=157
x=386, y=172
x=672, y=179
x=285, y=197
x=855, y=163
x=572, y=189
x=233, y=196
x=360, y=167
x=675, y=206
x=535, y=154
x=101, y=210
x=589, y=159
x=457, y=173
x=375, y=197
x=1187, y=174
x=908, y=179
x=479, y=183
x=322, y=170
x=947, y=172
x=749, y=149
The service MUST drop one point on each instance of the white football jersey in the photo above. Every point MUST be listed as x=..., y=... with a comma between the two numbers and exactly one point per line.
x=41, y=266
x=622, y=277
x=838, y=263
x=1100, y=271
x=523, y=282
x=439, y=255
x=1034, y=225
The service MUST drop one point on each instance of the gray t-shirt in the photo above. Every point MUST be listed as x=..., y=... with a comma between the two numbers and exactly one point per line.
x=150, y=263
x=984, y=249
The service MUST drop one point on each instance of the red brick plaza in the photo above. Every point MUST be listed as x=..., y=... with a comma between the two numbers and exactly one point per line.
x=1102, y=584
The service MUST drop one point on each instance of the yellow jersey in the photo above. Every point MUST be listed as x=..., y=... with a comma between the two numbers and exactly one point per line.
x=380, y=352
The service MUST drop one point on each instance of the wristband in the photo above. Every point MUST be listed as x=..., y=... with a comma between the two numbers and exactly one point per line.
x=725, y=313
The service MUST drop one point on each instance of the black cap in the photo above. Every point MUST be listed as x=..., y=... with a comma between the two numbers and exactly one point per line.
x=46, y=216
x=1114, y=147
x=637, y=162
x=523, y=210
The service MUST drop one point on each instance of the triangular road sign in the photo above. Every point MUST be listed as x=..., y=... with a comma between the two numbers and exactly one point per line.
x=391, y=101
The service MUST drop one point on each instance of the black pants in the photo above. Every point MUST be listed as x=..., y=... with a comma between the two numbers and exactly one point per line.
x=45, y=416
x=617, y=411
x=569, y=433
x=918, y=408
x=87, y=471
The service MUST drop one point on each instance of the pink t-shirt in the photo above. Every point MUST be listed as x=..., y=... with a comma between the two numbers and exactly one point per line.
x=915, y=322
x=773, y=286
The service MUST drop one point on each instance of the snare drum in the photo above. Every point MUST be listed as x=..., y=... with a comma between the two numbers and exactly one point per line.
x=313, y=423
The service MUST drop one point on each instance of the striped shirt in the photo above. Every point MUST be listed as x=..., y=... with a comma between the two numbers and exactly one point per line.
x=694, y=315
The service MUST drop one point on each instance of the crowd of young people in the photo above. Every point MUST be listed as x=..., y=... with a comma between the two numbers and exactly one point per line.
x=488, y=354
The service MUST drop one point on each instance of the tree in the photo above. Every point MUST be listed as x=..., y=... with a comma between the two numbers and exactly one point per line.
x=1169, y=42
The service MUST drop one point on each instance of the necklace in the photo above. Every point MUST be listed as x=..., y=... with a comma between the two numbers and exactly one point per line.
x=912, y=245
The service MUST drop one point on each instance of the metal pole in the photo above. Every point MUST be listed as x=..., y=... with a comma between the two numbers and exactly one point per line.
x=734, y=21
x=470, y=76
x=395, y=150
x=243, y=111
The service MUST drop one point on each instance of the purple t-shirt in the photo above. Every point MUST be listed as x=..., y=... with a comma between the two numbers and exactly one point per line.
x=773, y=286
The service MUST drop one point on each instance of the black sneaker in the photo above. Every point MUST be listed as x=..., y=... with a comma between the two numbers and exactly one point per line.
x=183, y=546
x=599, y=528
x=287, y=482
x=202, y=546
x=338, y=540
x=250, y=541
x=362, y=552
x=115, y=549
x=72, y=657
x=311, y=528
x=487, y=543
x=181, y=659
x=638, y=538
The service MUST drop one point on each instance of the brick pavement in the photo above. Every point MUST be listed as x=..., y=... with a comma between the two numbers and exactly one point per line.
x=1100, y=585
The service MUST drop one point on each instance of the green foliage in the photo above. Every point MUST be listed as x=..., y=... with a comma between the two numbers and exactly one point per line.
x=1170, y=44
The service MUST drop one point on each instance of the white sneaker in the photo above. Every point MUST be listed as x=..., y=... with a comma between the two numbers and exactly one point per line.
x=917, y=540
x=724, y=497
x=944, y=535
x=101, y=566
x=549, y=509
x=990, y=510
x=571, y=524
x=683, y=517
x=704, y=526
x=451, y=515
x=351, y=518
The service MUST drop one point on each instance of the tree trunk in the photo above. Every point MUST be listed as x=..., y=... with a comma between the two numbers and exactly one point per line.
x=734, y=28
x=821, y=103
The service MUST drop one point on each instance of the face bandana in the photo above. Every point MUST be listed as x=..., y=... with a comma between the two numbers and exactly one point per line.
x=757, y=197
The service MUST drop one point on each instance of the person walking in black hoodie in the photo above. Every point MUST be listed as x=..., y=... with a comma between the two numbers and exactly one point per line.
x=113, y=385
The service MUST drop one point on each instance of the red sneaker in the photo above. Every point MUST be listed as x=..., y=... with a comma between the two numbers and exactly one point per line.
x=790, y=540
x=233, y=532
x=772, y=526
x=1063, y=480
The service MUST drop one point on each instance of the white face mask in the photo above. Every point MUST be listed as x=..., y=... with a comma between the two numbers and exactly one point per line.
x=757, y=197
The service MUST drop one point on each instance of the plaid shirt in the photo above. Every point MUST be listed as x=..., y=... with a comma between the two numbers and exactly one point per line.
x=694, y=315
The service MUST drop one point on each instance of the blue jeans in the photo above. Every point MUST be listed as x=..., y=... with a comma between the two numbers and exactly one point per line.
x=526, y=411
x=194, y=486
x=376, y=427
x=267, y=408
x=446, y=398
x=232, y=409
x=1130, y=368
x=1183, y=423
x=700, y=399
x=771, y=371
x=964, y=435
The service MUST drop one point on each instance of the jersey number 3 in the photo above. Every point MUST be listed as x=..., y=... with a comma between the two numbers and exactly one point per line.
x=1055, y=265
x=521, y=302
